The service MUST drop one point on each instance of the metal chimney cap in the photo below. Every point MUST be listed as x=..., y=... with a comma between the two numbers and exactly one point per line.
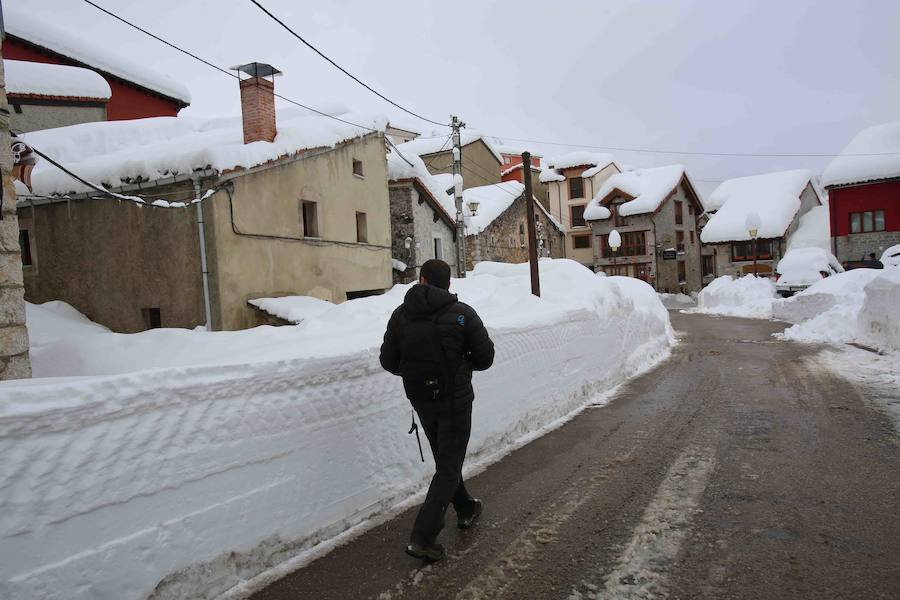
x=256, y=69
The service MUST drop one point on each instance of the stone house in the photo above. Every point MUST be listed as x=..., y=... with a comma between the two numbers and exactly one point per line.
x=572, y=180
x=656, y=213
x=203, y=216
x=14, y=361
x=423, y=224
x=864, y=194
x=780, y=199
x=498, y=231
x=480, y=160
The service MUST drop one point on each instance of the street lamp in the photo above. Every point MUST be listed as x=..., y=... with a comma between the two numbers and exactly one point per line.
x=752, y=224
x=473, y=207
x=615, y=241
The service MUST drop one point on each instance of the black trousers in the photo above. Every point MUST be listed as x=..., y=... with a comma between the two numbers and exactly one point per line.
x=447, y=426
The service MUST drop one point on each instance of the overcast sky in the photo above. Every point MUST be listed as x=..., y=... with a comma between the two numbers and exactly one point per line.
x=764, y=76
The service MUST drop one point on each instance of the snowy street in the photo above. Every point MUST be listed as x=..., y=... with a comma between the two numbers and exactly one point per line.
x=741, y=467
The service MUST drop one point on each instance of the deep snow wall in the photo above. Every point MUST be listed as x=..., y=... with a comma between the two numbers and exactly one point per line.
x=186, y=482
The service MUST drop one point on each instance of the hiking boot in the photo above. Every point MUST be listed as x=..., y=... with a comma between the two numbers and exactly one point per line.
x=432, y=553
x=468, y=521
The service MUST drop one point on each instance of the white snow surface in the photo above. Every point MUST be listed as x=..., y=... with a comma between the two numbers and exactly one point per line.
x=804, y=266
x=398, y=265
x=431, y=145
x=294, y=309
x=879, y=316
x=157, y=439
x=45, y=79
x=774, y=196
x=749, y=297
x=843, y=288
x=595, y=162
x=57, y=36
x=814, y=230
x=891, y=257
x=493, y=200
x=650, y=187
x=113, y=153
x=880, y=145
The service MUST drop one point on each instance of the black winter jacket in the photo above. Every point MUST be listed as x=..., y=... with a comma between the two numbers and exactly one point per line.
x=464, y=339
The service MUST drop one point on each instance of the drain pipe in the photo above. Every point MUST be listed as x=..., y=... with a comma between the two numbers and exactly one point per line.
x=203, y=266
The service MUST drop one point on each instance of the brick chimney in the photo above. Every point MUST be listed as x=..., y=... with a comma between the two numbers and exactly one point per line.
x=258, y=101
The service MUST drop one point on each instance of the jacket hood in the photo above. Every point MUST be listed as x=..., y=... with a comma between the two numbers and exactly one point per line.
x=424, y=299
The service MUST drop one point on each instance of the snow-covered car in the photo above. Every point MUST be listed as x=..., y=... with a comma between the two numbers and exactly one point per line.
x=802, y=267
x=891, y=257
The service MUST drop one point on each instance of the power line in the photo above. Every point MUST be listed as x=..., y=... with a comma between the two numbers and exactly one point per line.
x=218, y=68
x=342, y=69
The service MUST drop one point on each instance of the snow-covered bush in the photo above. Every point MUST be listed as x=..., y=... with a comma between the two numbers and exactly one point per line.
x=748, y=296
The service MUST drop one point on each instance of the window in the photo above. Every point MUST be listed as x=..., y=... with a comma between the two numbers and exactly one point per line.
x=744, y=250
x=362, y=232
x=864, y=222
x=679, y=241
x=576, y=187
x=577, y=216
x=580, y=242
x=690, y=210
x=692, y=236
x=309, y=220
x=522, y=235
x=709, y=265
x=152, y=318
x=633, y=244
x=679, y=213
x=439, y=248
x=358, y=168
x=682, y=273
x=363, y=294
x=25, y=245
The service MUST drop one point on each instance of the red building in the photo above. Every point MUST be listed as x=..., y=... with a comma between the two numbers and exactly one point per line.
x=863, y=186
x=137, y=91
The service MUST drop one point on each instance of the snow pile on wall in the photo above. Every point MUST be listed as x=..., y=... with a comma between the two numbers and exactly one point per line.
x=57, y=37
x=774, y=196
x=648, y=187
x=113, y=153
x=595, y=161
x=190, y=480
x=45, y=79
x=750, y=297
x=879, y=317
x=294, y=309
x=874, y=153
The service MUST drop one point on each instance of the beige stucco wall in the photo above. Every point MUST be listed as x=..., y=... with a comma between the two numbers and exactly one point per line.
x=269, y=257
x=480, y=165
x=35, y=116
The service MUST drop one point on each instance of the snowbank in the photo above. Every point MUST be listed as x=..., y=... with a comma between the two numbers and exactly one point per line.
x=824, y=294
x=189, y=480
x=750, y=297
x=774, y=196
x=45, y=79
x=814, y=230
x=294, y=309
x=891, y=257
x=648, y=188
x=874, y=153
x=677, y=300
x=879, y=316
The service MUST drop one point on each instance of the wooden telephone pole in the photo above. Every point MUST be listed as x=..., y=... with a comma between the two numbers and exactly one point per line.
x=529, y=218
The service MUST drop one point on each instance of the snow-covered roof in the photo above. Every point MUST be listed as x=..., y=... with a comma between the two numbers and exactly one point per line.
x=594, y=161
x=775, y=197
x=45, y=79
x=493, y=200
x=57, y=37
x=880, y=143
x=437, y=186
x=114, y=153
x=516, y=167
x=648, y=187
x=431, y=145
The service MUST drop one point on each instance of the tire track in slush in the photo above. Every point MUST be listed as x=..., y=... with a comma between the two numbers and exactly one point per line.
x=642, y=568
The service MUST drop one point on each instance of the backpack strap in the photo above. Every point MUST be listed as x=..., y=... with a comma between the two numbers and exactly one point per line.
x=449, y=374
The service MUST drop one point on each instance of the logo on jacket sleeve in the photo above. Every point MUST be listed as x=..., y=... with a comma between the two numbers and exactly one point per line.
x=461, y=319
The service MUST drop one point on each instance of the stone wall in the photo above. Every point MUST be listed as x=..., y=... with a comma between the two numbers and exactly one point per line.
x=27, y=117
x=14, y=363
x=506, y=239
x=415, y=219
x=858, y=246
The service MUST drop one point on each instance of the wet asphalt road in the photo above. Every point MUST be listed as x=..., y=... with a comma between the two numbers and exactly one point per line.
x=739, y=468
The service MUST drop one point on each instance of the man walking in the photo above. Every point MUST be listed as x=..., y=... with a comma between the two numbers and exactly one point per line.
x=435, y=342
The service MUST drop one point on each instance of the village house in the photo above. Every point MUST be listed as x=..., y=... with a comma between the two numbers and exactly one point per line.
x=399, y=133
x=779, y=200
x=864, y=194
x=572, y=180
x=47, y=97
x=496, y=229
x=656, y=213
x=209, y=215
x=480, y=160
x=423, y=222
x=512, y=169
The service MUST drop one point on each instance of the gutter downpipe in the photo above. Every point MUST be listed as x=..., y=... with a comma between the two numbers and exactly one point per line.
x=201, y=231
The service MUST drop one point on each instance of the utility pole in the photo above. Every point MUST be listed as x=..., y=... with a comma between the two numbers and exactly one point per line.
x=529, y=218
x=458, y=197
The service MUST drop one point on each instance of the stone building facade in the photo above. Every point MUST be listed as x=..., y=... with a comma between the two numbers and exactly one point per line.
x=420, y=229
x=14, y=361
x=506, y=238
